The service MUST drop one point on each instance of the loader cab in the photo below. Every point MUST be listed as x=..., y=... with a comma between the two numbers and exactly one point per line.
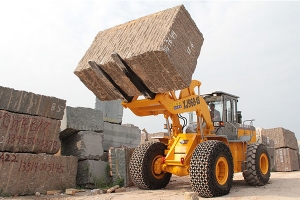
x=225, y=104
x=229, y=120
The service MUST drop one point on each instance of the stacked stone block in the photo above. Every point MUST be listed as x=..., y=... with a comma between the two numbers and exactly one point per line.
x=117, y=135
x=119, y=159
x=82, y=137
x=85, y=136
x=28, y=133
x=85, y=145
x=26, y=173
x=92, y=161
x=161, y=48
x=284, y=145
x=32, y=104
x=29, y=130
x=81, y=119
x=112, y=110
x=92, y=173
x=286, y=160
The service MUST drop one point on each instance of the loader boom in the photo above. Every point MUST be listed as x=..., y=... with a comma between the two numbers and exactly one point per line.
x=170, y=106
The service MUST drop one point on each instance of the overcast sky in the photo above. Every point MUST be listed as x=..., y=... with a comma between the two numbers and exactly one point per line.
x=251, y=49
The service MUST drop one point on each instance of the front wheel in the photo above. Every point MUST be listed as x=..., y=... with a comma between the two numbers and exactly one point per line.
x=257, y=172
x=211, y=169
x=145, y=166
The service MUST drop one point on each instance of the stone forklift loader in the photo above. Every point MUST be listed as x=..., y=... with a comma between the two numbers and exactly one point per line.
x=208, y=151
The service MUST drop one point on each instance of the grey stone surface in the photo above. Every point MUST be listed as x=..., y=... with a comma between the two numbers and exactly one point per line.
x=157, y=47
x=112, y=110
x=25, y=174
x=27, y=133
x=117, y=135
x=286, y=160
x=92, y=172
x=30, y=103
x=280, y=138
x=81, y=119
x=119, y=159
x=5, y=94
x=267, y=140
x=84, y=145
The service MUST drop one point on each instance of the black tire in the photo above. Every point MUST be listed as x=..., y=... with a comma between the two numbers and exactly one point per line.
x=211, y=169
x=257, y=172
x=141, y=166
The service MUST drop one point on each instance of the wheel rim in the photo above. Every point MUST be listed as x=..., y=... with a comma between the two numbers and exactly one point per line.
x=156, y=167
x=264, y=163
x=222, y=170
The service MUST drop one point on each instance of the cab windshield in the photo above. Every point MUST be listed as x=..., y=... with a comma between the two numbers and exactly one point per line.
x=215, y=106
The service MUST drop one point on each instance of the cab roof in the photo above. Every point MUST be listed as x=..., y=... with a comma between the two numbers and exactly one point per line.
x=220, y=93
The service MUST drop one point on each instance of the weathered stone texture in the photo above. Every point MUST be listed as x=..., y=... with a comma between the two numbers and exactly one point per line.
x=268, y=141
x=161, y=48
x=84, y=145
x=286, y=159
x=119, y=159
x=280, y=137
x=30, y=103
x=26, y=133
x=26, y=174
x=81, y=119
x=117, y=135
x=112, y=110
x=91, y=172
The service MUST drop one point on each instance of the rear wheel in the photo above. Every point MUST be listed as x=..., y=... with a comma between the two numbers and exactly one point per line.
x=211, y=169
x=145, y=166
x=257, y=170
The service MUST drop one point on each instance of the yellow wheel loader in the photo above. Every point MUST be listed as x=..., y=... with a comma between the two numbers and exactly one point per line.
x=209, y=150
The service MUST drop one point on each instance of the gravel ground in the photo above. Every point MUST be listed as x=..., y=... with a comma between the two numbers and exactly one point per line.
x=282, y=185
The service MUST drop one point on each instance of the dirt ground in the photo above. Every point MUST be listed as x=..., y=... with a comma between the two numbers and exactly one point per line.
x=282, y=185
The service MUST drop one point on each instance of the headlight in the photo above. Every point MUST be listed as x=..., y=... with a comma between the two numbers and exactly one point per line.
x=218, y=123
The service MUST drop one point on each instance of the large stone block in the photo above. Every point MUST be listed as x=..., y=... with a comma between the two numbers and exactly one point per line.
x=92, y=172
x=280, y=137
x=268, y=141
x=119, y=159
x=25, y=174
x=117, y=135
x=81, y=119
x=27, y=133
x=161, y=48
x=30, y=103
x=112, y=110
x=84, y=145
x=286, y=160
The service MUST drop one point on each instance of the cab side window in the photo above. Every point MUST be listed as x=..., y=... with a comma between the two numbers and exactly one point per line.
x=228, y=111
x=234, y=111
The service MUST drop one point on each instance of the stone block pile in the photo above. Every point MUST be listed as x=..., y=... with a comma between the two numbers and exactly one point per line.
x=29, y=138
x=82, y=137
x=85, y=136
x=157, y=47
x=285, y=147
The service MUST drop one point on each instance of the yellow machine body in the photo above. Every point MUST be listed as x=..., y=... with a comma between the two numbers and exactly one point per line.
x=180, y=146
